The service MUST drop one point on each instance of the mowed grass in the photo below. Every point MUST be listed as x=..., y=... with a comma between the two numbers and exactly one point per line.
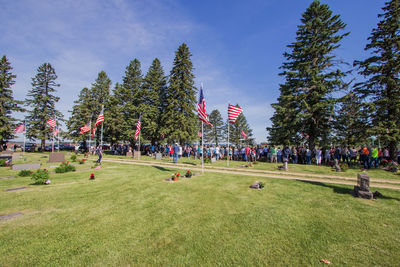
x=130, y=216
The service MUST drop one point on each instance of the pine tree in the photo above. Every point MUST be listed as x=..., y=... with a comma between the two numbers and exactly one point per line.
x=99, y=94
x=235, y=132
x=179, y=119
x=80, y=114
x=112, y=115
x=305, y=104
x=7, y=102
x=382, y=87
x=150, y=106
x=128, y=98
x=351, y=120
x=42, y=101
x=215, y=134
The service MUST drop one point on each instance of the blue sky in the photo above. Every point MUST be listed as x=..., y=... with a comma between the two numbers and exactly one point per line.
x=237, y=46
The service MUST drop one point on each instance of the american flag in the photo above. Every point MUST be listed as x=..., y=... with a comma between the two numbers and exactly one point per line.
x=85, y=129
x=94, y=131
x=202, y=108
x=100, y=119
x=233, y=113
x=51, y=122
x=20, y=129
x=138, y=126
x=244, y=135
x=56, y=131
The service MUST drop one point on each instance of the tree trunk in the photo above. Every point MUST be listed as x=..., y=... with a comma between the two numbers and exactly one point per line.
x=393, y=150
x=42, y=145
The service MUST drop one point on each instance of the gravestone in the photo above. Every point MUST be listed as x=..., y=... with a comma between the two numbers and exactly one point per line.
x=7, y=152
x=16, y=157
x=129, y=154
x=361, y=190
x=213, y=160
x=18, y=167
x=136, y=154
x=56, y=157
x=6, y=157
x=158, y=156
x=10, y=216
x=15, y=189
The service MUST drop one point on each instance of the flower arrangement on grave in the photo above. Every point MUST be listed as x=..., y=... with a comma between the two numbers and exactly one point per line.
x=176, y=176
x=188, y=174
x=392, y=166
x=91, y=176
x=65, y=167
x=40, y=176
x=343, y=166
x=207, y=160
x=82, y=161
x=25, y=173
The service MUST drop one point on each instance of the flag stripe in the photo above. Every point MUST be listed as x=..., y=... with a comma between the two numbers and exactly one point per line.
x=20, y=129
x=51, y=122
x=138, y=126
x=85, y=129
x=202, y=109
x=233, y=113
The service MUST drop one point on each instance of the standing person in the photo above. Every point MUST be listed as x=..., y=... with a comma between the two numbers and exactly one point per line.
x=175, y=154
x=273, y=154
x=318, y=155
x=294, y=155
x=279, y=155
x=99, y=153
x=308, y=155
x=327, y=156
x=364, y=157
x=374, y=157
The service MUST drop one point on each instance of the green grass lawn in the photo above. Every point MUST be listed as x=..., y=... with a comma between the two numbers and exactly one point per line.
x=130, y=216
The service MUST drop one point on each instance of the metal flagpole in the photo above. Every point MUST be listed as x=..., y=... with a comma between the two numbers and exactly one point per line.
x=58, y=139
x=52, y=146
x=202, y=148
x=90, y=134
x=24, y=136
x=101, y=138
x=139, y=145
x=228, y=146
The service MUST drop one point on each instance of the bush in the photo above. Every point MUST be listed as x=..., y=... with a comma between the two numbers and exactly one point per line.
x=24, y=173
x=3, y=163
x=73, y=158
x=82, y=161
x=40, y=176
x=65, y=167
x=261, y=184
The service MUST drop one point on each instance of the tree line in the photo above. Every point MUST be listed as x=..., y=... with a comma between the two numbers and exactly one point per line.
x=167, y=106
x=317, y=107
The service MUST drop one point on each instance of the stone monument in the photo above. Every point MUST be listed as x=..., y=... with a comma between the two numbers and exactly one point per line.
x=361, y=190
x=158, y=156
x=56, y=157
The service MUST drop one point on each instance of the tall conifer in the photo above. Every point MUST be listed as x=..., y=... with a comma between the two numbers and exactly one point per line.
x=306, y=104
x=215, y=134
x=382, y=87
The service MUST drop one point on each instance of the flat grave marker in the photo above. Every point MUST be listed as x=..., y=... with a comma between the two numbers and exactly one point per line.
x=56, y=157
x=10, y=216
x=18, y=167
x=15, y=189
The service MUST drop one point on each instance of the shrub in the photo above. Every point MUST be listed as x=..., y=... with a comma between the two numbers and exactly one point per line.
x=3, y=163
x=24, y=173
x=82, y=161
x=65, y=167
x=207, y=160
x=40, y=176
x=73, y=158
x=261, y=184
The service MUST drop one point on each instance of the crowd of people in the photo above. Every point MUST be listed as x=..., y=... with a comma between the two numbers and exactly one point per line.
x=366, y=156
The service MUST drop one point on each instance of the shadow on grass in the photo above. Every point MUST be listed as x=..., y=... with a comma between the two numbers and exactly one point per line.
x=190, y=163
x=162, y=169
x=342, y=190
x=336, y=189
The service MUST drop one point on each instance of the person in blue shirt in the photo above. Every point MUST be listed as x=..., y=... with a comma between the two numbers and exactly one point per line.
x=176, y=153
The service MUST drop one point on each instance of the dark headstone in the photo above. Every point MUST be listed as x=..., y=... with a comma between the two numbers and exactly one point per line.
x=56, y=157
x=15, y=189
x=18, y=167
x=10, y=216
x=158, y=156
x=362, y=188
x=377, y=194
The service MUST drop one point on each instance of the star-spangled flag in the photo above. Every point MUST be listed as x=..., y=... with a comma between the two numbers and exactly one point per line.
x=56, y=131
x=20, y=129
x=244, y=135
x=138, y=126
x=94, y=131
x=233, y=113
x=202, y=108
x=85, y=129
x=51, y=122
x=100, y=119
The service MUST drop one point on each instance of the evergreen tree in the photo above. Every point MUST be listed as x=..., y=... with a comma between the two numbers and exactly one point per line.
x=99, y=94
x=235, y=131
x=7, y=102
x=382, y=87
x=112, y=115
x=179, y=119
x=351, y=120
x=42, y=101
x=128, y=97
x=305, y=104
x=150, y=106
x=80, y=114
x=215, y=134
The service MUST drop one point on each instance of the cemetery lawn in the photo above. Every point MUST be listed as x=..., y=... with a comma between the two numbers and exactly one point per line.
x=130, y=216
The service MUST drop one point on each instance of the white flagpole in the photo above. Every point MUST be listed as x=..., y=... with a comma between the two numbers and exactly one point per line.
x=101, y=138
x=24, y=136
x=52, y=146
x=139, y=143
x=90, y=134
x=228, y=146
x=58, y=139
x=202, y=148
